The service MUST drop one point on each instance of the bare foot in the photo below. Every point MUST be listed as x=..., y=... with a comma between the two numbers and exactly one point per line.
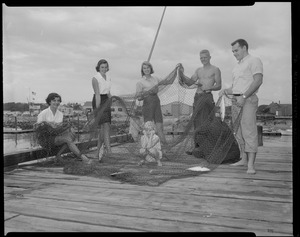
x=101, y=154
x=251, y=170
x=239, y=163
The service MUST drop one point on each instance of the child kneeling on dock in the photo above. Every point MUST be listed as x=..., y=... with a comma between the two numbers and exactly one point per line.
x=151, y=147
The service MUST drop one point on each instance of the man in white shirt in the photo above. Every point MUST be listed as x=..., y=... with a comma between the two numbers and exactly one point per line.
x=247, y=78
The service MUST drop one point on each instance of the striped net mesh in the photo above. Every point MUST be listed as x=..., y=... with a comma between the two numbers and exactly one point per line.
x=210, y=142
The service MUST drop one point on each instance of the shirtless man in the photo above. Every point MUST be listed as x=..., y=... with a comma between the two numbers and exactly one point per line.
x=205, y=79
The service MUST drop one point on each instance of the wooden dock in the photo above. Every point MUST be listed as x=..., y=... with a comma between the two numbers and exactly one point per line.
x=40, y=199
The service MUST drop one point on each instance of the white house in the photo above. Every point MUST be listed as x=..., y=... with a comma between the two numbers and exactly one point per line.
x=176, y=109
x=87, y=107
x=66, y=110
x=26, y=113
x=34, y=108
x=116, y=108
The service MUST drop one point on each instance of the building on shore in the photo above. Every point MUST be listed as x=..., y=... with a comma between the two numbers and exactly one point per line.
x=87, y=107
x=34, y=109
x=176, y=109
x=280, y=109
x=66, y=110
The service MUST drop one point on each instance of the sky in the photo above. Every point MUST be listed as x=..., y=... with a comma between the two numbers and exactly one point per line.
x=56, y=49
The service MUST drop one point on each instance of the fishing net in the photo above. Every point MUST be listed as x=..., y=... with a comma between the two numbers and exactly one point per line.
x=200, y=136
x=45, y=134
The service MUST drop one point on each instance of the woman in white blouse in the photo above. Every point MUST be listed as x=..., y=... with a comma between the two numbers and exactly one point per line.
x=53, y=118
x=101, y=86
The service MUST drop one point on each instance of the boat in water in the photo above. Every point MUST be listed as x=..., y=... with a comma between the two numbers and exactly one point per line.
x=6, y=129
x=286, y=132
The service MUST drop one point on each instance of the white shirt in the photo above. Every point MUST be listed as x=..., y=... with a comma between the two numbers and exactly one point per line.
x=104, y=85
x=150, y=142
x=47, y=116
x=243, y=72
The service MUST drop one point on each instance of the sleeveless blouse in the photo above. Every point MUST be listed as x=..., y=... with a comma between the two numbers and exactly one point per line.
x=104, y=85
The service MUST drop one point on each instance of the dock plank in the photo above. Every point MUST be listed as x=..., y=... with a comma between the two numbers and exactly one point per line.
x=203, y=187
x=224, y=200
x=174, y=201
x=24, y=224
x=151, y=212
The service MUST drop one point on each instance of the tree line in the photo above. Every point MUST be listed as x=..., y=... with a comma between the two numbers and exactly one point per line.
x=22, y=107
x=12, y=106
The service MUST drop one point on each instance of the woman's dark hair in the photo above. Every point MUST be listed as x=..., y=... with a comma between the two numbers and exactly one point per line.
x=52, y=96
x=241, y=43
x=101, y=61
x=149, y=65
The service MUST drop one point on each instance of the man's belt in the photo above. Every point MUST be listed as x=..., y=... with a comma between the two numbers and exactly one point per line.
x=237, y=94
x=203, y=92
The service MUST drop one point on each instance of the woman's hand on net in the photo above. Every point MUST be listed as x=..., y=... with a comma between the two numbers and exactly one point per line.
x=54, y=125
x=180, y=67
x=35, y=125
x=145, y=94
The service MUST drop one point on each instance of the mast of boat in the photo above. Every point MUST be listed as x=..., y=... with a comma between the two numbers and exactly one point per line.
x=149, y=57
x=156, y=35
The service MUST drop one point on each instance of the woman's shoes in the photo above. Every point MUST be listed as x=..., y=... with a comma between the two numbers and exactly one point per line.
x=102, y=153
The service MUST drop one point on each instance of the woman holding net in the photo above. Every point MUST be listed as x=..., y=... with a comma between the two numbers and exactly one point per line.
x=53, y=133
x=146, y=91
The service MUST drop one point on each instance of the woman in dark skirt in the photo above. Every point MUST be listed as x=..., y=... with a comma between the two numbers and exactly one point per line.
x=106, y=116
x=146, y=90
x=101, y=106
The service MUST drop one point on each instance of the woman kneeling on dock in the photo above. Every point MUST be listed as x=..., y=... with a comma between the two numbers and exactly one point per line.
x=52, y=132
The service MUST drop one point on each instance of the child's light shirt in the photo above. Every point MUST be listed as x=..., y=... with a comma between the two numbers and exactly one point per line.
x=150, y=142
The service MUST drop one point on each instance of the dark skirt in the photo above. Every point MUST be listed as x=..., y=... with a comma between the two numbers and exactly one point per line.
x=105, y=117
x=152, y=109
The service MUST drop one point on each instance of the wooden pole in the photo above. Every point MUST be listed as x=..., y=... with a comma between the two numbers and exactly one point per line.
x=156, y=35
x=16, y=122
x=78, y=126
